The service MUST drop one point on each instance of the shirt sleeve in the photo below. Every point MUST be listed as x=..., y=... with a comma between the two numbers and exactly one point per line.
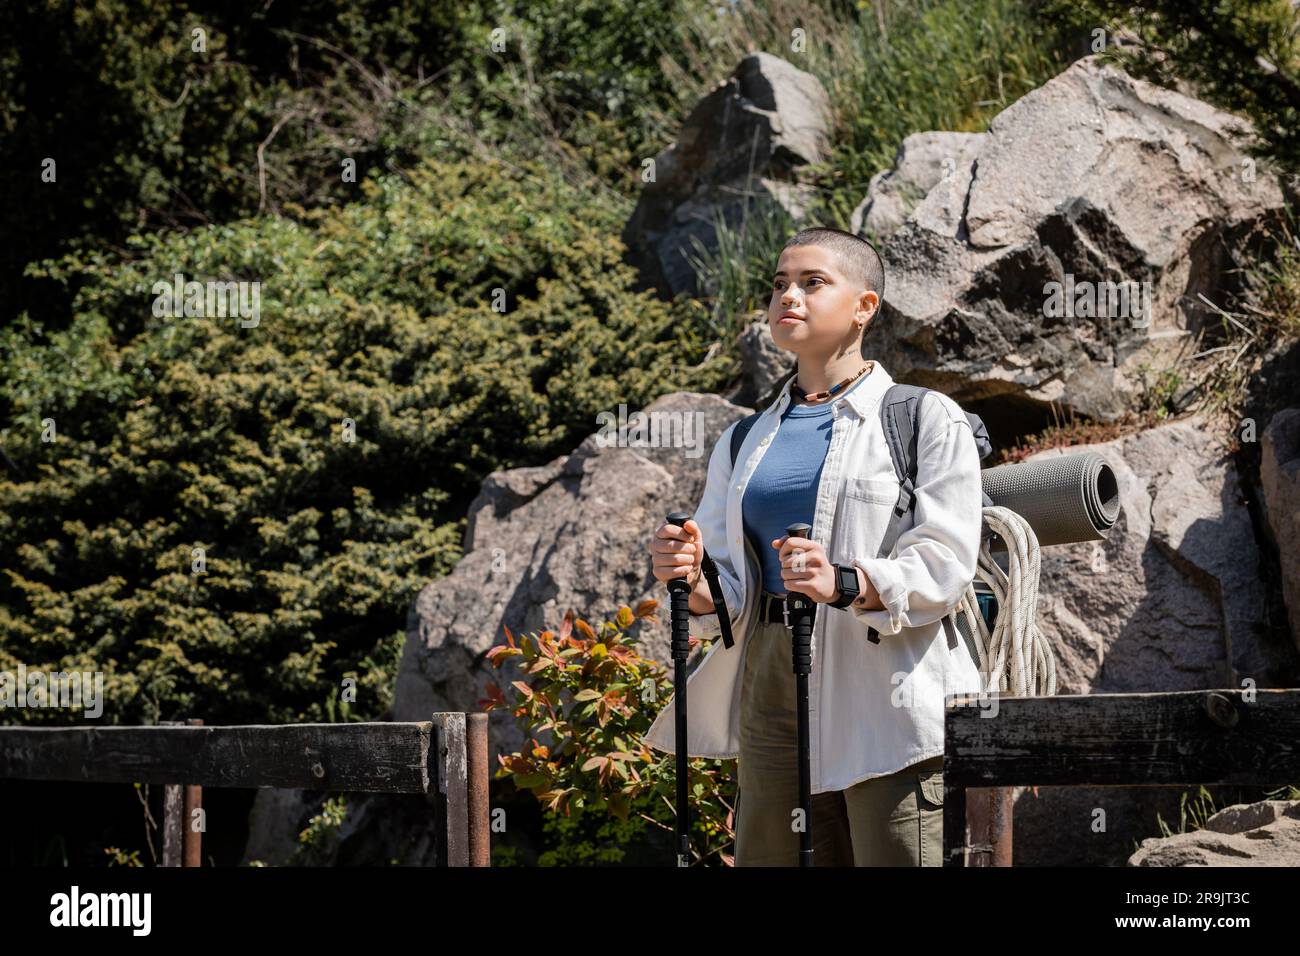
x=711, y=516
x=935, y=559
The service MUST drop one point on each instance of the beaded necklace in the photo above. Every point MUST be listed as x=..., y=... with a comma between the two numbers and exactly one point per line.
x=802, y=396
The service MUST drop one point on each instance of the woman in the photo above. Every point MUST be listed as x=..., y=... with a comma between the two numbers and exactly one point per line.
x=818, y=455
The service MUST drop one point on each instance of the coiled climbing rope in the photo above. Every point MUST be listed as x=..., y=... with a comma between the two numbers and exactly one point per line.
x=1014, y=657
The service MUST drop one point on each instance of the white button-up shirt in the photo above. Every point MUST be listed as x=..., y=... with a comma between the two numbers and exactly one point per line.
x=874, y=709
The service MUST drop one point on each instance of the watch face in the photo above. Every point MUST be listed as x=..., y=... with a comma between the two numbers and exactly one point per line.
x=848, y=580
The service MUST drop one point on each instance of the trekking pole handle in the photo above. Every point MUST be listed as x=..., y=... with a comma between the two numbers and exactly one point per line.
x=800, y=609
x=798, y=530
x=710, y=573
x=678, y=518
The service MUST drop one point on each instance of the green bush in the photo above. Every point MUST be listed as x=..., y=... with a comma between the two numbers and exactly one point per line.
x=318, y=842
x=149, y=132
x=176, y=434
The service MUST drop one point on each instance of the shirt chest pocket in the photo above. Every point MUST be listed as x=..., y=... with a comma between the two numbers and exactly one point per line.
x=865, y=509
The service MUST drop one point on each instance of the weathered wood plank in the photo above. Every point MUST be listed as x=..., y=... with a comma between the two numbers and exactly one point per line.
x=452, y=790
x=361, y=757
x=173, y=828
x=1124, y=740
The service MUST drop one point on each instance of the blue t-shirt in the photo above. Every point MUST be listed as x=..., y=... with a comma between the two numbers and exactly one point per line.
x=783, y=489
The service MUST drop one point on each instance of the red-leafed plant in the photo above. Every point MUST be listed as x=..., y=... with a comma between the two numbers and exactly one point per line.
x=595, y=696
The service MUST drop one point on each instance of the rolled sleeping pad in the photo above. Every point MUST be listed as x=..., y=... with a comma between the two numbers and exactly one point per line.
x=1064, y=498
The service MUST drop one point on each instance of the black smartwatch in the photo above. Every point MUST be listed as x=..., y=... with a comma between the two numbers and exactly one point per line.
x=847, y=579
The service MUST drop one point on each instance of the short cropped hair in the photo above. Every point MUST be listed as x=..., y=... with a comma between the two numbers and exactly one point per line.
x=857, y=258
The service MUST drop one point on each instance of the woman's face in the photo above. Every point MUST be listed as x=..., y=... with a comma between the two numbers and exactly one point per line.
x=814, y=304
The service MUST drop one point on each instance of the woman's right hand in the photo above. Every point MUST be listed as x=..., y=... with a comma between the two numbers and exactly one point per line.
x=676, y=552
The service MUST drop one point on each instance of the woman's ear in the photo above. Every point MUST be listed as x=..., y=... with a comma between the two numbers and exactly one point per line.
x=868, y=309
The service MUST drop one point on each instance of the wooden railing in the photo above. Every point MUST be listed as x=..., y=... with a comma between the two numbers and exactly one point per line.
x=445, y=758
x=1183, y=738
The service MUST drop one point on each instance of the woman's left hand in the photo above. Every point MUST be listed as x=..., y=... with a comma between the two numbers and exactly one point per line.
x=810, y=572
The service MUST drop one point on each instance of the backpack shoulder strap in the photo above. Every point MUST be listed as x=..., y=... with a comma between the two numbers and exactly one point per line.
x=898, y=419
x=739, y=432
x=899, y=416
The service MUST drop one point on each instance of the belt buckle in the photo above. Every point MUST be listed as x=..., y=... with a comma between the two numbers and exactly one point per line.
x=785, y=611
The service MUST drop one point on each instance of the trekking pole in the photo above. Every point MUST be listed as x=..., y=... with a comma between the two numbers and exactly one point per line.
x=800, y=611
x=679, y=596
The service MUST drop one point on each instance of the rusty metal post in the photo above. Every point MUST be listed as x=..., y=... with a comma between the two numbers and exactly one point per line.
x=476, y=772
x=989, y=816
x=981, y=827
x=990, y=808
x=1001, y=825
x=193, y=842
x=978, y=811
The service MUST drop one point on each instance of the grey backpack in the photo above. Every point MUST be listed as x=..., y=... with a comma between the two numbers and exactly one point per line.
x=898, y=417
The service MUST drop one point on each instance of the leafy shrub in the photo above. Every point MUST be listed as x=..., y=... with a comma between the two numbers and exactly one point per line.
x=319, y=839
x=176, y=434
x=148, y=132
x=119, y=857
x=594, y=697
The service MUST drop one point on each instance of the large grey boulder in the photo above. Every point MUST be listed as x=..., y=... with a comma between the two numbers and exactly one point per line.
x=745, y=143
x=1170, y=600
x=1095, y=177
x=1279, y=476
x=1266, y=833
x=924, y=161
x=573, y=534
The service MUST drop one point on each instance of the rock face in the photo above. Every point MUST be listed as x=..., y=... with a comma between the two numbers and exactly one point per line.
x=745, y=142
x=274, y=822
x=1279, y=475
x=1258, y=834
x=1171, y=600
x=377, y=829
x=1093, y=178
x=924, y=161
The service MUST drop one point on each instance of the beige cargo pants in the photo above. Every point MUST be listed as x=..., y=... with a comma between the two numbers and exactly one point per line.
x=894, y=820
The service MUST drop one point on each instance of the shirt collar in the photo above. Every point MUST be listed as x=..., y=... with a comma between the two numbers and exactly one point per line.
x=862, y=399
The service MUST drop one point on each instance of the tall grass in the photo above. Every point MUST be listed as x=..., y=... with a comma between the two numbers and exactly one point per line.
x=1245, y=325
x=737, y=278
x=931, y=65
